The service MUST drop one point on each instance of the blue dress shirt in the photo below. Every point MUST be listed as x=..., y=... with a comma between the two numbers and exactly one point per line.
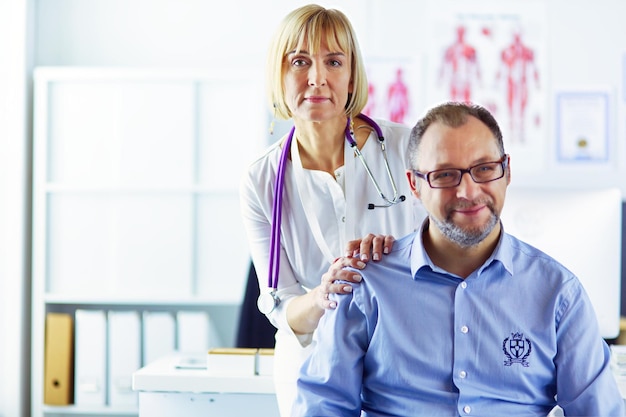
x=515, y=338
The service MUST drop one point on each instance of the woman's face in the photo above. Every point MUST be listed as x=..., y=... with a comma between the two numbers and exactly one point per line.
x=317, y=85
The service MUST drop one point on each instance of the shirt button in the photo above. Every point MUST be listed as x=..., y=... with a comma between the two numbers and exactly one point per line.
x=462, y=374
x=467, y=409
x=343, y=219
x=464, y=329
x=464, y=284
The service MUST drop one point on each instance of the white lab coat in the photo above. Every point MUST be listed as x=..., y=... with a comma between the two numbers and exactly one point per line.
x=341, y=208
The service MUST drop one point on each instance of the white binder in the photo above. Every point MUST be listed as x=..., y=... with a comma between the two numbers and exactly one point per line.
x=90, y=357
x=159, y=335
x=124, y=355
x=193, y=331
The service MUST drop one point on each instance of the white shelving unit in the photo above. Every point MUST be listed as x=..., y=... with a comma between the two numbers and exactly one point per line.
x=135, y=202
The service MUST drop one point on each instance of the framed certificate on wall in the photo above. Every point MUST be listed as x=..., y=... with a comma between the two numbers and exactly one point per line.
x=582, y=126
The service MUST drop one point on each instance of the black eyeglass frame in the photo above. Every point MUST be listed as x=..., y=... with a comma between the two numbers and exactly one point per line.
x=504, y=161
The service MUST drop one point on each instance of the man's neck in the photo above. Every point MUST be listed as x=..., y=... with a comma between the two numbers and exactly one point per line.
x=456, y=259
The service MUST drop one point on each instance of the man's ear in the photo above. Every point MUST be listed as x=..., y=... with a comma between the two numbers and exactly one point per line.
x=508, y=171
x=410, y=176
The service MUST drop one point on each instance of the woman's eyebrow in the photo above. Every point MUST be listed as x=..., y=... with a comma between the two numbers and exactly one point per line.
x=301, y=51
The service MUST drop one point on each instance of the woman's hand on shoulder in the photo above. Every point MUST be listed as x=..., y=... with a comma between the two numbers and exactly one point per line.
x=370, y=247
x=336, y=272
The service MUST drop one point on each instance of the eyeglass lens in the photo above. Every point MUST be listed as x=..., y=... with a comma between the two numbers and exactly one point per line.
x=486, y=172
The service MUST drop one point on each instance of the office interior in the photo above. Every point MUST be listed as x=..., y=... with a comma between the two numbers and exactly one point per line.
x=581, y=49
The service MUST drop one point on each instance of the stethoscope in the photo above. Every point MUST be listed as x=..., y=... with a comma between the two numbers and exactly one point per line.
x=268, y=301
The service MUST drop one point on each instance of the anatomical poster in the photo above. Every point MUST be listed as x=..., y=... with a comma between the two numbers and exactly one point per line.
x=393, y=89
x=494, y=54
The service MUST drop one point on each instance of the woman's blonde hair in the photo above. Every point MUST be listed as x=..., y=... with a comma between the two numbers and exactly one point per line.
x=311, y=26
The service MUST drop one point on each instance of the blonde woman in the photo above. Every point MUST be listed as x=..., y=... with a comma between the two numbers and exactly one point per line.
x=340, y=176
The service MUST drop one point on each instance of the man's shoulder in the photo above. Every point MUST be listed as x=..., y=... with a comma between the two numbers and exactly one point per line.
x=404, y=243
x=394, y=265
x=526, y=248
x=527, y=255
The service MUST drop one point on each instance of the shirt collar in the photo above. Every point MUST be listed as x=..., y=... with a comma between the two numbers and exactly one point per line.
x=504, y=251
x=420, y=259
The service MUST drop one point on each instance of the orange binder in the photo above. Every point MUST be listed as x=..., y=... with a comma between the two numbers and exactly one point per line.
x=58, y=359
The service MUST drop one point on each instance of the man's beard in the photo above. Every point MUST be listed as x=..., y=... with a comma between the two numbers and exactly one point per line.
x=466, y=238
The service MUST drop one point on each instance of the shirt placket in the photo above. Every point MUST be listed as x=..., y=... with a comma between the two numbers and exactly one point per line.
x=463, y=329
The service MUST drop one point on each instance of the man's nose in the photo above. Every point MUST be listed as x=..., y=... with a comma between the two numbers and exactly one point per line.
x=468, y=187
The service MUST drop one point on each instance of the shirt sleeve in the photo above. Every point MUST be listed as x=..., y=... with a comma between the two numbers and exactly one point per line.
x=585, y=384
x=255, y=193
x=330, y=380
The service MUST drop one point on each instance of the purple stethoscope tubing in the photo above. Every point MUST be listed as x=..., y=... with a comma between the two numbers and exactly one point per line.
x=277, y=214
x=371, y=123
x=274, y=263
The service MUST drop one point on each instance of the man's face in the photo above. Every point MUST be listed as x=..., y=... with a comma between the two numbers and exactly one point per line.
x=468, y=213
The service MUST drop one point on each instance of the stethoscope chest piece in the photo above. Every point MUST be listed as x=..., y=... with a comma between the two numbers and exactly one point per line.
x=267, y=302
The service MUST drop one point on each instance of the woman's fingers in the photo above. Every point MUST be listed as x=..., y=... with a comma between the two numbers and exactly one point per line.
x=353, y=247
x=335, y=273
x=388, y=244
x=371, y=246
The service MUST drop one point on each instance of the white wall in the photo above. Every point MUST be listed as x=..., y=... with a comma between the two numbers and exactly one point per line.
x=14, y=211
x=586, y=42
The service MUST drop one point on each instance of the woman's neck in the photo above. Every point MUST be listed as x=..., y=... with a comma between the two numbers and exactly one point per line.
x=321, y=144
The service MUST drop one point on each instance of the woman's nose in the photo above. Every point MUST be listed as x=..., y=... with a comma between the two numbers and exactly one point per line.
x=317, y=76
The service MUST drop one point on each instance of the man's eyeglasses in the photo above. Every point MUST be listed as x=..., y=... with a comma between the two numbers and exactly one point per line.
x=451, y=177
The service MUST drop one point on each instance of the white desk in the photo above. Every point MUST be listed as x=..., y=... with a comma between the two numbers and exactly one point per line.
x=166, y=390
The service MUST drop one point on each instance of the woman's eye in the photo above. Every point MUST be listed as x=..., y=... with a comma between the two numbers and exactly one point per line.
x=335, y=63
x=298, y=62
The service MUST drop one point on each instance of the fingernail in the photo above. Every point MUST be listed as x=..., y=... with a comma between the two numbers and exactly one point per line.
x=386, y=251
x=364, y=257
x=360, y=264
x=357, y=277
x=347, y=288
x=332, y=304
x=376, y=257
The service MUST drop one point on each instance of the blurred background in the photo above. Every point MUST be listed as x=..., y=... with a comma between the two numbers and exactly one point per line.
x=553, y=72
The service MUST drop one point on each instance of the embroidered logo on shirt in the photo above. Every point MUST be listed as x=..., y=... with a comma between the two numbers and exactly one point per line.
x=516, y=348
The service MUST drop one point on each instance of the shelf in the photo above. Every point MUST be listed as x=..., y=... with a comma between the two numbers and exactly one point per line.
x=60, y=299
x=139, y=188
x=136, y=209
x=77, y=410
